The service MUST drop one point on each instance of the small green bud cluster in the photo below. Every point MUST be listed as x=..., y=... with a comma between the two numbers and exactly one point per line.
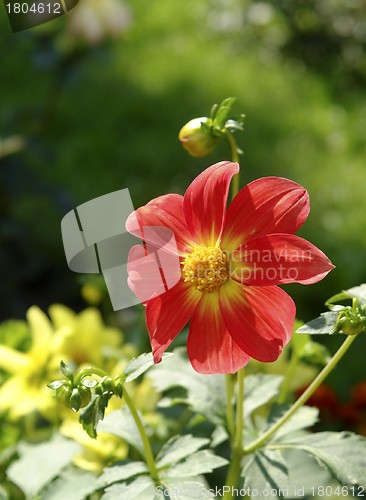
x=351, y=319
x=109, y=387
x=76, y=392
x=200, y=136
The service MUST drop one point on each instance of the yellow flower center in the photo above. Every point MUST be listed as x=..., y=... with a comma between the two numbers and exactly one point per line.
x=205, y=269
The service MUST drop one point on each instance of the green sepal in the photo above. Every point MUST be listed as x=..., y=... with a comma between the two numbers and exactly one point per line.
x=337, y=297
x=223, y=111
x=206, y=126
x=75, y=400
x=233, y=125
x=90, y=384
x=57, y=384
x=214, y=109
x=66, y=371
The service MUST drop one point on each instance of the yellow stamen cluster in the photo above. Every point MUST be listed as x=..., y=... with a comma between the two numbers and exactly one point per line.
x=205, y=269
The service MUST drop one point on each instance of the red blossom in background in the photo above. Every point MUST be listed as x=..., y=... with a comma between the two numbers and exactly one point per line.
x=231, y=262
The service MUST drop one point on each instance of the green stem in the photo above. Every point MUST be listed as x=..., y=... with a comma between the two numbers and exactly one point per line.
x=239, y=410
x=88, y=372
x=289, y=376
x=233, y=146
x=229, y=406
x=145, y=440
x=235, y=158
x=234, y=467
x=304, y=397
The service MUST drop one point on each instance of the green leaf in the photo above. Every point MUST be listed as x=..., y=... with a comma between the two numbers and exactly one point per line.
x=304, y=417
x=121, y=423
x=138, y=366
x=120, y=471
x=66, y=371
x=141, y=485
x=73, y=484
x=260, y=389
x=322, y=325
x=304, y=474
x=41, y=463
x=218, y=436
x=202, y=462
x=266, y=469
x=342, y=454
x=213, y=112
x=93, y=413
x=205, y=393
x=179, y=447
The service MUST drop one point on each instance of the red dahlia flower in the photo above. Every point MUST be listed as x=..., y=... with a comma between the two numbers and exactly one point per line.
x=230, y=263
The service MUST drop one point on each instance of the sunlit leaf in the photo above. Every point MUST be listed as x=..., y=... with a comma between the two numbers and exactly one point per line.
x=41, y=463
x=73, y=484
x=179, y=447
x=260, y=389
x=138, y=366
x=121, y=423
x=266, y=469
x=322, y=325
x=342, y=454
x=120, y=471
x=204, y=394
x=202, y=462
x=142, y=488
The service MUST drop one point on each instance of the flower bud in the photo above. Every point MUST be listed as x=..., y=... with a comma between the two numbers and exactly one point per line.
x=75, y=400
x=85, y=394
x=63, y=394
x=107, y=384
x=98, y=389
x=351, y=325
x=118, y=389
x=197, y=141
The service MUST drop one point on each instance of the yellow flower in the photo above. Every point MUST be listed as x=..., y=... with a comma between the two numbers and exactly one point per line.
x=97, y=453
x=89, y=339
x=26, y=390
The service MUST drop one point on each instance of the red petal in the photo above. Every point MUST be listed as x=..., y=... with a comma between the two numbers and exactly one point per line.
x=265, y=206
x=205, y=202
x=279, y=258
x=151, y=271
x=260, y=319
x=163, y=212
x=210, y=347
x=168, y=314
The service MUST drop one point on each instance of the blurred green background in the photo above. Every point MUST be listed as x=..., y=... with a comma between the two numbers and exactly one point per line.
x=101, y=112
